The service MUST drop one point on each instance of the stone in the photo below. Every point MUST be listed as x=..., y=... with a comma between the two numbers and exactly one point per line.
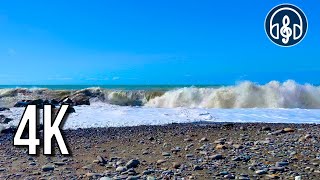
x=105, y=178
x=101, y=160
x=272, y=176
x=237, y=146
x=297, y=178
x=281, y=164
x=260, y=172
x=165, y=154
x=151, y=178
x=220, y=146
x=288, y=130
x=4, y=119
x=216, y=157
x=276, y=169
x=204, y=139
x=266, y=128
x=176, y=165
x=161, y=161
x=229, y=176
x=80, y=99
x=4, y=109
x=197, y=168
x=133, y=163
x=59, y=163
x=48, y=167
x=93, y=175
x=176, y=150
x=70, y=110
x=121, y=169
x=189, y=155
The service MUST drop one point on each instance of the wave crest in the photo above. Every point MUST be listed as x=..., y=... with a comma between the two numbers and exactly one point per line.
x=245, y=95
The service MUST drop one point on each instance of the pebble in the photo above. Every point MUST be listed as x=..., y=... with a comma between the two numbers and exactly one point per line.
x=288, y=130
x=176, y=165
x=101, y=160
x=59, y=163
x=197, y=168
x=93, y=175
x=297, y=178
x=133, y=163
x=220, y=146
x=160, y=161
x=165, y=154
x=272, y=176
x=105, y=178
x=229, y=176
x=260, y=172
x=216, y=157
x=151, y=178
x=189, y=155
x=266, y=128
x=48, y=167
x=204, y=139
x=237, y=146
x=121, y=169
x=281, y=164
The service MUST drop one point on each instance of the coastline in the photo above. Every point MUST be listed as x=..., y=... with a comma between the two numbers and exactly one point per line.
x=190, y=151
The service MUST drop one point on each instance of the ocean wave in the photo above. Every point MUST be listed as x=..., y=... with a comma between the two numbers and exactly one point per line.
x=244, y=95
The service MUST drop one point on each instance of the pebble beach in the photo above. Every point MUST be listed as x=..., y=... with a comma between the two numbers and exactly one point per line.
x=174, y=151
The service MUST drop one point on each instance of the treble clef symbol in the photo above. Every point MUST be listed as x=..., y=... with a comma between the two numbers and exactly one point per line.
x=285, y=31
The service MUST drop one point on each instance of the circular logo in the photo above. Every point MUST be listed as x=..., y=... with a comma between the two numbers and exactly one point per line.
x=286, y=25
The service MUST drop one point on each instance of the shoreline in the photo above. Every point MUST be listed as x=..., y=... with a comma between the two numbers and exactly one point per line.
x=190, y=151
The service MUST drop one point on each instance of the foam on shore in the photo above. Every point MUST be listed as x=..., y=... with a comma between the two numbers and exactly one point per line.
x=106, y=115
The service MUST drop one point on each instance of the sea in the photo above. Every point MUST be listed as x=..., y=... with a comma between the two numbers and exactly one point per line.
x=134, y=105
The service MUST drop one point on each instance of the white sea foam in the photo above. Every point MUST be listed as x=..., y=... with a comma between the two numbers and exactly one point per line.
x=245, y=95
x=106, y=115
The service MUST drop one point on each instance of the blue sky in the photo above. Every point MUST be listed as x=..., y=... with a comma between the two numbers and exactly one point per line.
x=150, y=42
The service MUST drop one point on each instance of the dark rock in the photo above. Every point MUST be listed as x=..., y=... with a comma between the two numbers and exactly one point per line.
x=70, y=110
x=197, y=168
x=4, y=119
x=46, y=168
x=21, y=104
x=133, y=163
x=80, y=99
x=66, y=100
x=216, y=157
x=266, y=128
x=54, y=102
x=38, y=102
x=101, y=160
x=4, y=109
x=282, y=164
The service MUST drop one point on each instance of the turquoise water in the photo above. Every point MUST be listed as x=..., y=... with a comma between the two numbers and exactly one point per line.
x=116, y=87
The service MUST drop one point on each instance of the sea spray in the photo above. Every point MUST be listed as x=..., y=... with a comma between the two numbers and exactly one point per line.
x=245, y=95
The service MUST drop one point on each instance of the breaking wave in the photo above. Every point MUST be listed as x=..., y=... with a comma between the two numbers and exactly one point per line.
x=244, y=95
